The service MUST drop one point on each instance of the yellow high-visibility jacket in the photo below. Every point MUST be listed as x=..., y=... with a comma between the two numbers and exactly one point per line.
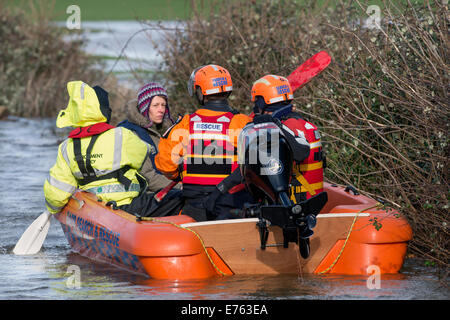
x=115, y=150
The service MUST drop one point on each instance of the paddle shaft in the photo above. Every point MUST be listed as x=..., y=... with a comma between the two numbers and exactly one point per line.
x=161, y=194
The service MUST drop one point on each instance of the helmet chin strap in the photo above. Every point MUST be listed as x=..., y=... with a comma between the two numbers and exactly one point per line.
x=199, y=95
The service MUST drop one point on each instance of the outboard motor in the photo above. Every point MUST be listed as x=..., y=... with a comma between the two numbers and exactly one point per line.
x=266, y=164
x=266, y=156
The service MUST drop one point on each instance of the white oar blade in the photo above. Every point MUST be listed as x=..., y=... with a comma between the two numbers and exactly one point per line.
x=32, y=239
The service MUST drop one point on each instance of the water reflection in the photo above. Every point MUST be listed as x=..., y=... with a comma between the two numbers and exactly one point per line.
x=277, y=287
x=360, y=287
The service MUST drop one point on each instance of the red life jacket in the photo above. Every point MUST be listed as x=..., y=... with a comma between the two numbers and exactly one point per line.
x=308, y=180
x=91, y=130
x=210, y=155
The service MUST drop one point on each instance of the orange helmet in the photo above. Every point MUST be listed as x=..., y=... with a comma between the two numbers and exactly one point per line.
x=273, y=89
x=211, y=79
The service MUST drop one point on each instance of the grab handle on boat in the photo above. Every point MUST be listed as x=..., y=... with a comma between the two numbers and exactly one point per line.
x=112, y=204
x=78, y=201
x=353, y=189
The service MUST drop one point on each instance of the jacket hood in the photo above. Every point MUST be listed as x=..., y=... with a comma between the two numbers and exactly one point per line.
x=84, y=108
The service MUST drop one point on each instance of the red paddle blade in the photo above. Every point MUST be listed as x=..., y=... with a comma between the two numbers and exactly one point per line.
x=309, y=69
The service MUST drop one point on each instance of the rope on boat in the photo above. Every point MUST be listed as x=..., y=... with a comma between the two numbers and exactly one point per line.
x=195, y=233
x=378, y=205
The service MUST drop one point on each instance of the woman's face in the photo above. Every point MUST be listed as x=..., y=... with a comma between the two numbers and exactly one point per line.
x=157, y=109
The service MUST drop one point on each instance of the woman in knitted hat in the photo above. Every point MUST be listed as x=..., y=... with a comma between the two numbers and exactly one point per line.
x=149, y=117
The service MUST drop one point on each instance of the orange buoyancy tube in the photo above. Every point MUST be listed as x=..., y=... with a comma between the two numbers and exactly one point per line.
x=308, y=180
x=211, y=155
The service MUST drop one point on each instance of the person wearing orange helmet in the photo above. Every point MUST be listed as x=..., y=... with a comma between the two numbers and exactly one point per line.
x=273, y=95
x=200, y=149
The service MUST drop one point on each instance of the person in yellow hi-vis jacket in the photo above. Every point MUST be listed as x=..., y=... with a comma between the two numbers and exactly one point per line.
x=98, y=157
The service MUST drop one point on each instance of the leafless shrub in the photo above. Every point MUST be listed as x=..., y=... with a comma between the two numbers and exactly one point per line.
x=36, y=63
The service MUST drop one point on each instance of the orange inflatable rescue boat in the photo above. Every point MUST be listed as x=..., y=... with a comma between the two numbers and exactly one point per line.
x=352, y=233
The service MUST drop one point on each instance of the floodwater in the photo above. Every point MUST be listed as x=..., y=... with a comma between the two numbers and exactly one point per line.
x=128, y=49
x=28, y=149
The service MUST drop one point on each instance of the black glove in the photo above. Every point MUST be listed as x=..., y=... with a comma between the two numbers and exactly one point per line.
x=222, y=188
x=210, y=201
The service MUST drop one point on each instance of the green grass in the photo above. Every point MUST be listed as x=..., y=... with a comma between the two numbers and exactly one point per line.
x=95, y=10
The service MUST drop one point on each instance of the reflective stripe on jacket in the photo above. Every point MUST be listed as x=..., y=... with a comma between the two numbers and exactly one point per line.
x=174, y=144
x=114, y=149
x=308, y=180
x=210, y=157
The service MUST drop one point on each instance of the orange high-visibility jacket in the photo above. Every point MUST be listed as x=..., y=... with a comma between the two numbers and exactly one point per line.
x=175, y=147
